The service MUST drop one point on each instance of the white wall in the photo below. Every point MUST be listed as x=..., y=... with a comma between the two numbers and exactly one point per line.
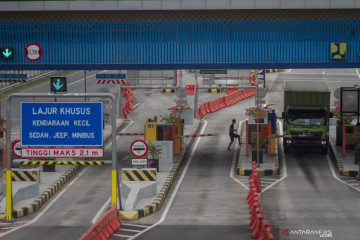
x=176, y=5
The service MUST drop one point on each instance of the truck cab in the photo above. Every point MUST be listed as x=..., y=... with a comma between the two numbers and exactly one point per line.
x=306, y=116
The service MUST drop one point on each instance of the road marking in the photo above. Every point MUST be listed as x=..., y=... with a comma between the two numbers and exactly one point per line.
x=163, y=216
x=121, y=235
x=98, y=214
x=233, y=162
x=336, y=177
x=283, y=162
x=86, y=78
x=357, y=71
x=49, y=205
x=135, y=106
x=271, y=179
x=133, y=225
x=130, y=230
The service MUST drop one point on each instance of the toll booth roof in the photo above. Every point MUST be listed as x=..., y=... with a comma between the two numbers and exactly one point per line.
x=305, y=86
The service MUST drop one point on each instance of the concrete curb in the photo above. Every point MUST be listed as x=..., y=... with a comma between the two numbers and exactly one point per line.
x=261, y=172
x=50, y=191
x=338, y=163
x=156, y=205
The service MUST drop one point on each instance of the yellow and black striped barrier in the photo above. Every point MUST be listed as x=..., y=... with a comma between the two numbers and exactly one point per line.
x=169, y=90
x=24, y=175
x=139, y=175
x=42, y=163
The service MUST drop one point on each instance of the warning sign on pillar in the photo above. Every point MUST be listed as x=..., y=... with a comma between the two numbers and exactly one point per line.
x=139, y=148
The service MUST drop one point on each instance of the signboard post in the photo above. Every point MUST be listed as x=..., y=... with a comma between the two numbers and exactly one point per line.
x=61, y=123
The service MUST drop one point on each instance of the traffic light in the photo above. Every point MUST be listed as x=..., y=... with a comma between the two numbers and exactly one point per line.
x=58, y=84
x=7, y=53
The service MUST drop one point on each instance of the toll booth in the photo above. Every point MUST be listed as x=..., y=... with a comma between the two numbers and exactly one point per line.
x=163, y=132
x=150, y=131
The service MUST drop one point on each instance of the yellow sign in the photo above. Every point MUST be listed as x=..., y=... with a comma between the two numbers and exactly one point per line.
x=150, y=131
x=338, y=51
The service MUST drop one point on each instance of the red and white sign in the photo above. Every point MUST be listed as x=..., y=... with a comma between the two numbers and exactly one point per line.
x=108, y=81
x=62, y=152
x=139, y=148
x=33, y=52
x=16, y=148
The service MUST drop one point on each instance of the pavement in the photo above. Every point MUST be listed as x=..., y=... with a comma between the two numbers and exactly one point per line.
x=50, y=182
x=345, y=163
x=165, y=178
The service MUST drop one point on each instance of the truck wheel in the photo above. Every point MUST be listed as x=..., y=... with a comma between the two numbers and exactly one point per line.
x=286, y=150
x=324, y=150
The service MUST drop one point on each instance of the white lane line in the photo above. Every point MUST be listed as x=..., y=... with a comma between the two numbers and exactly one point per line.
x=283, y=162
x=270, y=179
x=336, y=177
x=357, y=72
x=86, y=78
x=233, y=161
x=323, y=73
x=130, y=230
x=50, y=204
x=121, y=235
x=135, y=106
x=98, y=214
x=133, y=225
x=163, y=216
x=262, y=181
x=289, y=71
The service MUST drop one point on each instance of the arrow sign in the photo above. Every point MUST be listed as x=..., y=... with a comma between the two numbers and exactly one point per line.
x=7, y=53
x=58, y=84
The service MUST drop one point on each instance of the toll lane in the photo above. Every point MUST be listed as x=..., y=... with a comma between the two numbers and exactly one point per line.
x=310, y=198
x=206, y=205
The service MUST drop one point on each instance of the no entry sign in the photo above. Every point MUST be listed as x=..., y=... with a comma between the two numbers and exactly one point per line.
x=139, y=148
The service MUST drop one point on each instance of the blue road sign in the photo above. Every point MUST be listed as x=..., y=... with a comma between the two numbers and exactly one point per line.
x=61, y=123
x=111, y=76
x=15, y=76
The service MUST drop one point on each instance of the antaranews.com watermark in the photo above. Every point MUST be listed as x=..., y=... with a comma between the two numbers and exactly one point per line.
x=320, y=233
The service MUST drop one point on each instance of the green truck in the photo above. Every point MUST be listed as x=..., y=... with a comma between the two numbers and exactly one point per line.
x=306, y=115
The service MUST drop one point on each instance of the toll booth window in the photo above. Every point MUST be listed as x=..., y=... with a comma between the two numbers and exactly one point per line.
x=306, y=118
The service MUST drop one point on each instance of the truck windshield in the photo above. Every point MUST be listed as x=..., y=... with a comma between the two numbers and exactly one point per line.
x=306, y=117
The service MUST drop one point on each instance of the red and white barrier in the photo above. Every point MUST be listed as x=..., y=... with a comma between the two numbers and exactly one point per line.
x=105, y=227
x=259, y=227
x=196, y=135
x=131, y=134
x=222, y=102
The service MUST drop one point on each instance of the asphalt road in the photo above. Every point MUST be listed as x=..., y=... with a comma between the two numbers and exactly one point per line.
x=72, y=213
x=209, y=204
x=310, y=198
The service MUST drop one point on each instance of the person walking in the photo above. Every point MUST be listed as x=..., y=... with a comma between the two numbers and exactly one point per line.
x=232, y=134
